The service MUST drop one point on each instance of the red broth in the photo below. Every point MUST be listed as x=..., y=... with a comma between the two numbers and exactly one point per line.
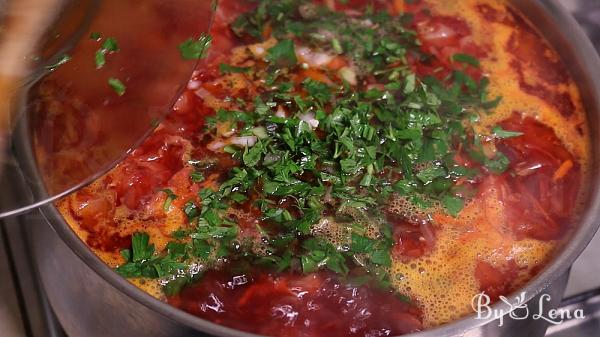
x=528, y=153
x=298, y=305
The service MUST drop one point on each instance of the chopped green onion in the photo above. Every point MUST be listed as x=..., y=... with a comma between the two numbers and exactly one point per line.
x=117, y=86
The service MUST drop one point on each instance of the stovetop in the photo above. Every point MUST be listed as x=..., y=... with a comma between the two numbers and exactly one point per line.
x=24, y=311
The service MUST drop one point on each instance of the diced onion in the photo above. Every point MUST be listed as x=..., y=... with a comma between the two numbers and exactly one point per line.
x=225, y=129
x=309, y=118
x=377, y=86
x=441, y=32
x=194, y=85
x=326, y=34
x=367, y=22
x=348, y=74
x=466, y=41
x=308, y=11
x=202, y=93
x=259, y=50
x=524, y=169
x=272, y=157
x=327, y=198
x=244, y=140
x=312, y=58
x=260, y=132
x=216, y=145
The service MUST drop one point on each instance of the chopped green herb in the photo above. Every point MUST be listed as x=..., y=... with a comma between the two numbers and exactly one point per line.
x=253, y=155
x=339, y=152
x=100, y=59
x=140, y=247
x=108, y=46
x=197, y=49
x=283, y=54
x=453, y=204
x=170, y=197
x=501, y=133
x=191, y=210
x=117, y=86
x=427, y=175
x=226, y=68
x=196, y=177
x=141, y=261
x=381, y=257
x=498, y=164
x=467, y=59
x=322, y=254
x=95, y=36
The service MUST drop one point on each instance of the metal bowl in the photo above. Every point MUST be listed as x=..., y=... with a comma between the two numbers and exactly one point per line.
x=92, y=300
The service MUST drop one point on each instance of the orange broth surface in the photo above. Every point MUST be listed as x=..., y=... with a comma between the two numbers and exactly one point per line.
x=510, y=226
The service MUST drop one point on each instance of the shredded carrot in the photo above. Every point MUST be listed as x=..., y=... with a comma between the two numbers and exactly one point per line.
x=316, y=75
x=399, y=7
x=267, y=30
x=563, y=170
x=211, y=182
x=248, y=294
x=330, y=4
x=337, y=62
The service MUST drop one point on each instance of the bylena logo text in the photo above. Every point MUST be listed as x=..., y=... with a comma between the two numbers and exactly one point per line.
x=519, y=310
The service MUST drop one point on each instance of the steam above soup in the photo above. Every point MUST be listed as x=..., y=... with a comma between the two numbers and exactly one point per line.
x=349, y=168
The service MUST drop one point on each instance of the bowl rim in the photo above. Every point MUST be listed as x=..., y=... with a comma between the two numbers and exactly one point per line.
x=586, y=72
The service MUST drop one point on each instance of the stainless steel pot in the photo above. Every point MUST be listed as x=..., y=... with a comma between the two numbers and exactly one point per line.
x=91, y=300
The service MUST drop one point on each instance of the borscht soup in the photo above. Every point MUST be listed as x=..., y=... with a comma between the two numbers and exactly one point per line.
x=348, y=168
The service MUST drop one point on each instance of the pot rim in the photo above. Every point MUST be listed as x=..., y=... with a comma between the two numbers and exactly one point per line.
x=565, y=35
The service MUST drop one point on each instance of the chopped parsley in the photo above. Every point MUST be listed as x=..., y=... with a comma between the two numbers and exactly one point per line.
x=229, y=69
x=195, y=49
x=170, y=197
x=497, y=131
x=467, y=59
x=283, y=54
x=453, y=204
x=197, y=177
x=372, y=41
x=340, y=154
x=141, y=260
